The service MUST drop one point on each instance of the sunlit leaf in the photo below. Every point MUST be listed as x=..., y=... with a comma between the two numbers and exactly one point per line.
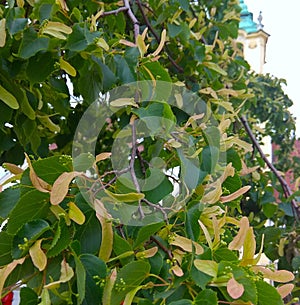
x=207, y=266
x=285, y=290
x=235, y=195
x=281, y=276
x=38, y=256
x=124, y=101
x=67, y=67
x=2, y=32
x=235, y=289
x=107, y=238
x=8, y=98
x=36, y=181
x=186, y=244
x=239, y=239
x=66, y=273
x=75, y=213
x=61, y=187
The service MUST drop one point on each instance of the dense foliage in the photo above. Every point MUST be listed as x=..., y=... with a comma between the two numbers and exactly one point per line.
x=164, y=199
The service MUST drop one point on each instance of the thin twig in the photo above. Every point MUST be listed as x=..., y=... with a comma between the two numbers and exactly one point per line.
x=131, y=166
x=126, y=8
x=136, y=24
x=157, y=207
x=114, y=12
x=286, y=189
x=161, y=246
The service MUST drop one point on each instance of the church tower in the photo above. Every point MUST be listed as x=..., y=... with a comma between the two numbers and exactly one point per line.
x=253, y=38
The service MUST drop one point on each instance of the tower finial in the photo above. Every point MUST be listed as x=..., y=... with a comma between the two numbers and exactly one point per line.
x=259, y=19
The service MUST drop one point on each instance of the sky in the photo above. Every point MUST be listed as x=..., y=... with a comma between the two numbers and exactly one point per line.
x=281, y=19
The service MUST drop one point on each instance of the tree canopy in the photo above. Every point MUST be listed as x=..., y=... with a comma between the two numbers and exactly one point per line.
x=146, y=184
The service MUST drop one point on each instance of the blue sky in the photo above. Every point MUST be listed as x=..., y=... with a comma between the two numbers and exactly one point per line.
x=282, y=22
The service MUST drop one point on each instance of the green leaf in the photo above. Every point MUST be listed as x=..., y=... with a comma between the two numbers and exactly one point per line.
x=26, y=236
x=15, y=23
x=128, y=278
x=206, y=297
x=5, y=248
x=28, y=296
x=32, y=44
x=174, y=30
x=80, y=38
x=185, y=4
x=49, y=169
x=83, y=162
x=61, y=240
x=40, y=67
x=31, y=205
x=266, y=292
x=146, y=232
x=157, y=71
x=182, y=302
x=81, y=279
x=95, y=270
x=8, y=200
x=8, y=98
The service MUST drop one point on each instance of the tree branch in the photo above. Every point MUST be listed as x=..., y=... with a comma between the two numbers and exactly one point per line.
x=126, y=8
x=131, y=166
x=286, y=189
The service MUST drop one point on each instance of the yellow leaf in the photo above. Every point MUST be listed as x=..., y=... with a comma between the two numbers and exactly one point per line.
x=239, y=239
x=177, y=270
x=55, y=34
x=249, y=247
x=125, y=101
x=129, y=197
x=207, y=266
x=38, y=256
x=285, y=290
x=247, y=170
x=63, y=5
x=57, y=26
x=58, y=211
x=6, y=271
x=102, y=156
x=235, y=289
x=186, y=244
x=45, y=298
x=14, y=169
x=46, y=121
x=210, y=91
x=236, y=194
x=61, y=187
x=281, y=276
x=64, y=65
x=102, y=44
x=20, y=3
x=161, y=43
x=127, y=43
x=8, y=98
x=108, y=287
x=107, y=238
x=66, y=273
x=2, y=32
x=215, y=67
x=206, y=234
x=214, y=195
x=141, y=45
x=247, y=147
x=37, y=182
x=147, y=253
x=76, y=214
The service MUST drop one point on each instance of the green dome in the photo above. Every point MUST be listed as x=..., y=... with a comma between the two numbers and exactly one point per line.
x=247, y=24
